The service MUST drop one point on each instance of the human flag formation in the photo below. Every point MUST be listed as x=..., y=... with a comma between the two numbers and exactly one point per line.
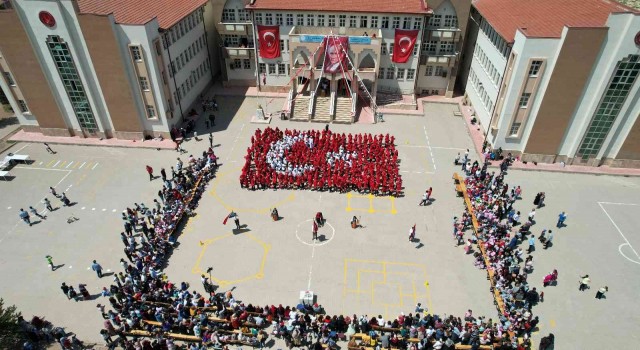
x=404, y=42
x=269, y=41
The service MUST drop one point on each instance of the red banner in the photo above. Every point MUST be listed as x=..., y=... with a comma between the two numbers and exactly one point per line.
x=404, y=42
x=269, y=41
x=335, y=54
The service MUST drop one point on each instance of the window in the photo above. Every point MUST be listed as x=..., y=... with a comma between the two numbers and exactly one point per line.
x=182, y=31
x=228, y=15
x=353, y=21
x=406, y=23
x=416, y=49
x=237, y=63
x=258, y=18
x=299, y=19
x=144, y=83
x=396, y=22
x=438, y=71
x=332, y=20
x=451, y=21
x=173, y=35
x=535, y=68
x=417, y=22
x=429, y=71
x=342, y=20
x=262, y=67
x=23, y=106
x=430, y=47
x=515, y=127
x=411, y=74
x=374, y=21
x=281, y=69
x=400, y=75
x=151, y=111
x=435, y=21
x=289, y=19
x=268, y=19
x=446, y=47
x=246, y=64
x=390, y=73
x=243, y=16
x=320, y=20
x=9, y=78
x=279, y=19
x=272, y=68
x=524, y=100
x=391, y=49
x=383, y=48
x=171, y=69
x=184, y=90
x=364, y=21
x=178, y=64
x=381, y=73
x=385, y=22
x=311, y=19
x=135, y=53
x=281, y=45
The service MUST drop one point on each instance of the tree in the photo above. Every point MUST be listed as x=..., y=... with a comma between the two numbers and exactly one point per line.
x=11, y=334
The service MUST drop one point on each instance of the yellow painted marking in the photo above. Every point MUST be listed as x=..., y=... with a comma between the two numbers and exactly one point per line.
x=63, y=164
x=552, y=322
x=51, y=162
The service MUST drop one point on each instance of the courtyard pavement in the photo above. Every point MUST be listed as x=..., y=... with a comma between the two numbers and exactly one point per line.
x=371, y=270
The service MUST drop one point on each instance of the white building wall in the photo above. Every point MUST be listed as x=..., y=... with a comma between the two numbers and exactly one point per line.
x=618, y=45
x=68, y=29
x=474, y=90
x=525, y=49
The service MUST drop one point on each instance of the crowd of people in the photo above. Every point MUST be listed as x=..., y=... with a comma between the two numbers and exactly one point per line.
x=493, y=203
x=142, y=280
x=40, y=332
x=322, y=160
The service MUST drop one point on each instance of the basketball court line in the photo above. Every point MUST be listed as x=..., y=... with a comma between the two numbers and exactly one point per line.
x=620, y=231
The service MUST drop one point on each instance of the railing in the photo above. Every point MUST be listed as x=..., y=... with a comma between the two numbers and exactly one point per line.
x=312, y=102
x=332, y=104
x=290, y=101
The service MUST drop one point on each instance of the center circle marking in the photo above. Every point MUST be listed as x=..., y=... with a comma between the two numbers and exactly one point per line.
x=309, y=234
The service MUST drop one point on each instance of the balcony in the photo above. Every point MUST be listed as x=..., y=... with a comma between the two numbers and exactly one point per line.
x=239, y=52
x=234, y=28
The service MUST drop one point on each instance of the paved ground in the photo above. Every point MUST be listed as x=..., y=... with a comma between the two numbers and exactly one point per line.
x=372, y=270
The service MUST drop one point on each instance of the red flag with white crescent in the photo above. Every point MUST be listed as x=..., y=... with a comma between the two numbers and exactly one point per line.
x=269, y=41
x=404, y=42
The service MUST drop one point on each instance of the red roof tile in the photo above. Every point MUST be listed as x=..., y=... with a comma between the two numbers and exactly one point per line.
x=168, y=12
x=377, y=6
x=545, y=18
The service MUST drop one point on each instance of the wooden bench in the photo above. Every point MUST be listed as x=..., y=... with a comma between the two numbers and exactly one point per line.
x=184, y=337
x=218, y=320
x=153, y=323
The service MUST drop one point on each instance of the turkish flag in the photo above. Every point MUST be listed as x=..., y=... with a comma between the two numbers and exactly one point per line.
x=404, y=42
x=269, y=41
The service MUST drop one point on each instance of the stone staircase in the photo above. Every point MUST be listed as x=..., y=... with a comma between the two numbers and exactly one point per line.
x=343, y=111
x=321, y=110
x=301, y=109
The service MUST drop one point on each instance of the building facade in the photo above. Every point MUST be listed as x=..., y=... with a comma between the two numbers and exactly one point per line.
x=97, y=69
x=431, y=69
x=557, y=88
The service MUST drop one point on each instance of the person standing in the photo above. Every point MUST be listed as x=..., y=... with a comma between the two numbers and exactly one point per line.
x=601, y=291
x=48, y=148
x=547, y=243
x=532, y=244
x=65, y=290
x=425, y=197
x=50, y=262
x=65, y=201
x=150, y=171
x=429, y=191
x=412, y=233
x=584, y=282
x=210, y=140
x=35, y=213
x=315, y=231
x=97, y=268
x=25, y=216
x=561, y=218
x=47, y=204
x=236, y=219
x=532, y=215
x=163, y=173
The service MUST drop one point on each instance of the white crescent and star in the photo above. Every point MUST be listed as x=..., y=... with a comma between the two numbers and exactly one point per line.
x=269, y=34
x=404, y=48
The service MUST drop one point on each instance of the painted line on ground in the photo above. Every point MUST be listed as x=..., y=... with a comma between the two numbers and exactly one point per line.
x=67, y=167
x=622, y=235
x=433, y=160
x=82, y=165
x=95, y=166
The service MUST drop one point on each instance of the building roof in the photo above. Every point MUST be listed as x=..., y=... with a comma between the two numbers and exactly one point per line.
x=377, y=6
x=546, y=18
x=168, y=12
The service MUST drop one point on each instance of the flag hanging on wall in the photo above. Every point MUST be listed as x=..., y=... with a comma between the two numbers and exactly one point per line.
x=269, y=41
x=404, y=42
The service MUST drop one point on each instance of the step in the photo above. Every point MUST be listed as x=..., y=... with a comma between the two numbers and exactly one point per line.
x=301, y=109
